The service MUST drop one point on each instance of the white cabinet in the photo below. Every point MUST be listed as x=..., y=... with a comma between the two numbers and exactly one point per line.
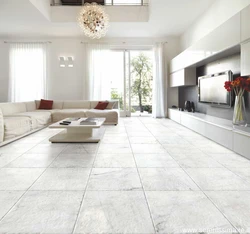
x=245, y=24
x=174, y=115
x=222, y=38
x=193, y=124
x=241, y=144
x=245, y=58
x=183, y=77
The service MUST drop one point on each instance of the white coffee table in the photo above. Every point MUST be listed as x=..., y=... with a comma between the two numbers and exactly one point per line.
x=78, y=133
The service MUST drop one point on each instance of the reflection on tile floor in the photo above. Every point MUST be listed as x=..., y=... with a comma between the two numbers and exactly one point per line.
x=146, y=176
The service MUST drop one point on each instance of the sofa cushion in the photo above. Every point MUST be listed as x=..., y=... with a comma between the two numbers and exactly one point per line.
x=30, y=106
x=16, y=126
x=68, y=113
x=101, y=105
x=38, y=119
x=45, y=104
x=111, y=105
x=110, y=115
x=12, y=108
x=76, y=105
x=56, y=104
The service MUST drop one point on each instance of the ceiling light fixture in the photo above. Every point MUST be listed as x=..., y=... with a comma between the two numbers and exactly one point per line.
x=93, y=20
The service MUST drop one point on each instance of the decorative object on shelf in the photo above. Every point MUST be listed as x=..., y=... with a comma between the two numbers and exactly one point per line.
x=239, y=86
x=192, y=107
x=188, y=106
x=93, y=20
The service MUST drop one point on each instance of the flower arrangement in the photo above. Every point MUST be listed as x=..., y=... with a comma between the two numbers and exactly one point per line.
x=239, y=86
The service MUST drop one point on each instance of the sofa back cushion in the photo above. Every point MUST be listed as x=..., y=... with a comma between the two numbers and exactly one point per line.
x=13, y=108
x=76, y=105
x=56, y=104
x=30, y=106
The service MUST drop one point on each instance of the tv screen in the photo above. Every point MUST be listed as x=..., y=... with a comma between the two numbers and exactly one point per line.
x=211, y=88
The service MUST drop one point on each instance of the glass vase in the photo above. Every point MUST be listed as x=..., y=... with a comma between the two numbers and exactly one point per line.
x=239, y=117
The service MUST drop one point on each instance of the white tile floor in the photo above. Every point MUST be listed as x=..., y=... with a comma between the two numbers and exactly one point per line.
x=146, y=176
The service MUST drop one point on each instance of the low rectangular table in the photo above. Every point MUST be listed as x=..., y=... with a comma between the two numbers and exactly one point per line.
x=78, y=133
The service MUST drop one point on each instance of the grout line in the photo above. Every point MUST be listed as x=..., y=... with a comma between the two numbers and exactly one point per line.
x=151, y=217
x=85, y=191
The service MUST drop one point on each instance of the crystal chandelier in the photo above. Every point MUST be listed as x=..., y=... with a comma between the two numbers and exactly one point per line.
x=93, y=20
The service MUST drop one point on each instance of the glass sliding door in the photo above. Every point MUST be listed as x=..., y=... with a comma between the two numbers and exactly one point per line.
x=131, y=81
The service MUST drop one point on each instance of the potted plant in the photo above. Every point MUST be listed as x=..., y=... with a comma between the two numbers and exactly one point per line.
x=239, y=86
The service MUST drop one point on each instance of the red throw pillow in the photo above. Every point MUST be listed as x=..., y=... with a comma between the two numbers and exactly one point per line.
x=45, y=104
x=101, y=105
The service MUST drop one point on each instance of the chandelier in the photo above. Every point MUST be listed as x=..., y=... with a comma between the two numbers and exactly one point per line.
x=93, y=20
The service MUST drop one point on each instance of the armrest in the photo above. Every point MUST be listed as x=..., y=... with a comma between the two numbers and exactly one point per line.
x=1, y=126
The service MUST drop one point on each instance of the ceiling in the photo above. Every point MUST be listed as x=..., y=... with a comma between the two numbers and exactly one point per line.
x=20, y=18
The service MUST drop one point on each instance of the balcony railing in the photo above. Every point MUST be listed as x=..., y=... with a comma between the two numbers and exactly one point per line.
x=102, y=2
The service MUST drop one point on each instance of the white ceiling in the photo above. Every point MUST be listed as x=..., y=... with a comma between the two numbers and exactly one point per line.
x=19, y=18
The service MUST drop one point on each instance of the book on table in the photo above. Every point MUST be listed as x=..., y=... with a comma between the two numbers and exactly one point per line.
x=89, y=121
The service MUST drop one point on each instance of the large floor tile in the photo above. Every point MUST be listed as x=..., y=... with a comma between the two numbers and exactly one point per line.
x=7, y=158
x=114, y=149
x=185, y=212
x=166, y=179
x=196, y=160
x=235, y=205
x=43, y=212
x=231, y=160
x=63, y=179
x=114, y=212
x=114, y=179
x=47, y=149
x=155, y=160
x=244, y=173
x=148, y=149
x=33, y=160
x=15, y=148
x=18, y=178
x=115, y=140
x=114, y=160
x=143, y=140
x=74, y=160
x=82, y=148
x=182, y=150
x=217, y=179
x=7, y=200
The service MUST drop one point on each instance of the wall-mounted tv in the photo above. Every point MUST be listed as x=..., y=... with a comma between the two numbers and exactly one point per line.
x=211, y=89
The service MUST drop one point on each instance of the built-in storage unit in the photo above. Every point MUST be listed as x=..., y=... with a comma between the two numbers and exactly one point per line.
x=183, y=77
x=245, y=24
x=245, y=58
x=219, y=130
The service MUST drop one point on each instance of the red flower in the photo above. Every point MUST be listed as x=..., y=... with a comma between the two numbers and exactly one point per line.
x=228, y=86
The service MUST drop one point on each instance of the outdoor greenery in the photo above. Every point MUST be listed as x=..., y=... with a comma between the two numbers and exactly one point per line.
x=116, y=96
x=141, y=79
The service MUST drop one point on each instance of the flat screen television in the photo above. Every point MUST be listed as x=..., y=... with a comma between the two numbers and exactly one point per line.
x=211, y=89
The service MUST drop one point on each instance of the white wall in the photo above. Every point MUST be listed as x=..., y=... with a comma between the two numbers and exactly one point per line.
x=68, y=83
x=217, y=14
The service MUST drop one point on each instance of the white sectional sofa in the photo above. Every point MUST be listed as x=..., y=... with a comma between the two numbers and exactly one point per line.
x=20, y=119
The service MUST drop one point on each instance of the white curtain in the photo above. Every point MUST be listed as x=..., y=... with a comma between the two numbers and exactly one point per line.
x=28, y=71
x=159, y=82
x=97, y=85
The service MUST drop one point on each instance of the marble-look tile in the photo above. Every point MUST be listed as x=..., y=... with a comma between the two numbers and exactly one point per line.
x=15, y=148
x=80, y=148
x=231, y=160
x=33, y=160
x=166, y=179
x=47, y=149
x=114, y=160
x=173, y=140
x=114, y=212
x=115, y=140
x=198, y=160
x=182, y=211
x=215, y=149
x=235, y=205
x=139, y=134
x=114, y=179
x=7, y=158
x=7, y=200
x=182, y=149
x=63, y=179
x=18, y=178
x=143, y=140
x=74, y=160
x=244, y=173
x=43, y=212
x=114, y=149
x=217, y=179
x=155, y=160
x=148, y=149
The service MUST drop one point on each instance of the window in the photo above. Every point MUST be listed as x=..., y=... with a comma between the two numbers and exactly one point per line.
x=27, y=71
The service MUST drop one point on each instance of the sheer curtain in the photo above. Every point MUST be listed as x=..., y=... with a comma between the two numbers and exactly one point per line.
x=28, y=71
x=97, y=85
x=159, y=82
